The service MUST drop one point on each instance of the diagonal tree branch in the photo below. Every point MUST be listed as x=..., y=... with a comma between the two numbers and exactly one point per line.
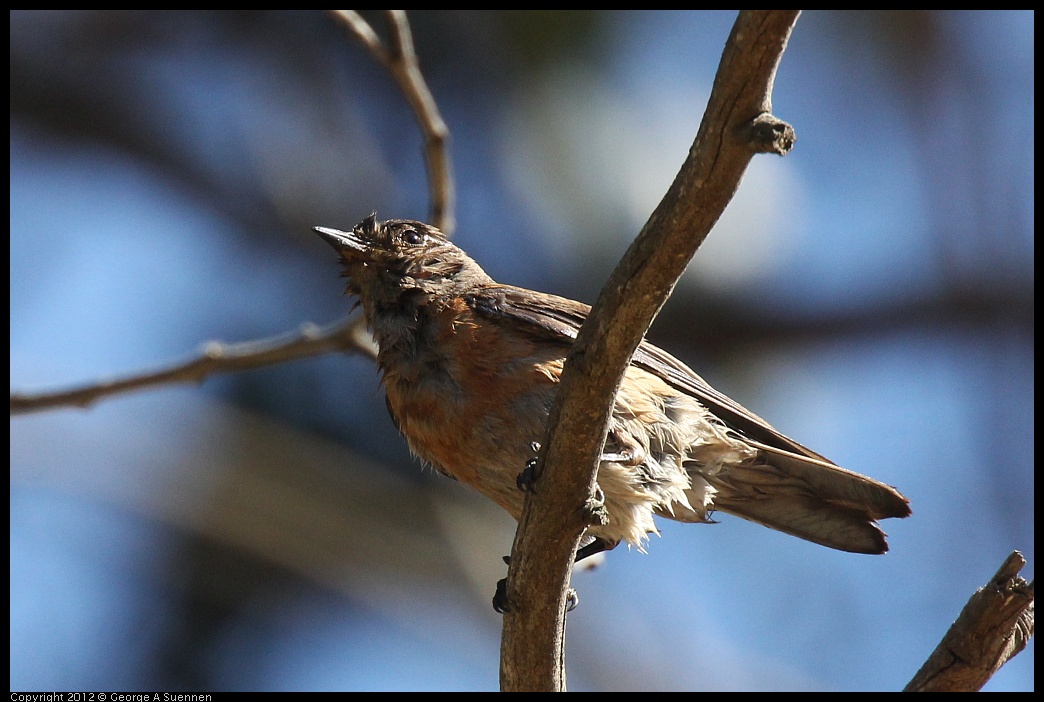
x=736, y=125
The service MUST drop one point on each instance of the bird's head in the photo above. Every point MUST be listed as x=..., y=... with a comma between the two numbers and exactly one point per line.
x=400, y=260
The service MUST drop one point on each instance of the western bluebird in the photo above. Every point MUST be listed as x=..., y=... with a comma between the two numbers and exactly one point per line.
x=470, y=368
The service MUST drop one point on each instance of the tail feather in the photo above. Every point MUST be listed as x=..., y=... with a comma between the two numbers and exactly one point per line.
x=809, y=498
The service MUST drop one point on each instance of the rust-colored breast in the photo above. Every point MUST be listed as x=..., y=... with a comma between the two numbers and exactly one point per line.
x=460, y=411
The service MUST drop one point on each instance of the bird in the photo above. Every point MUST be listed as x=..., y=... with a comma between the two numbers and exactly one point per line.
x=470, y=368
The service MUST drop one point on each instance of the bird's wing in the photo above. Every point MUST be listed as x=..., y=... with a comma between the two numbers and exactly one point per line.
x=559, y=318
x=841, y=508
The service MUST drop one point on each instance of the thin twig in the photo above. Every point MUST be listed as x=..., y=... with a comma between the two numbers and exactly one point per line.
x=736, y=125
x=993, y=627
x=401, y=61
x=348, y=336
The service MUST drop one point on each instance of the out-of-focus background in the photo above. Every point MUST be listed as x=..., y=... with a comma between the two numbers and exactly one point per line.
x=870, y=295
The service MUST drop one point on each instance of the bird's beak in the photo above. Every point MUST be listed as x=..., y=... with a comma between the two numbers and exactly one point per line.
x=342, y=242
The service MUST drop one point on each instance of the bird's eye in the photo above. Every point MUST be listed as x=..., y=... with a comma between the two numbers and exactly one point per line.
x=412, y=237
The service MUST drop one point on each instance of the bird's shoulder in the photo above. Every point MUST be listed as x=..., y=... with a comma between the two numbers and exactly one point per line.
x=544, y=315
